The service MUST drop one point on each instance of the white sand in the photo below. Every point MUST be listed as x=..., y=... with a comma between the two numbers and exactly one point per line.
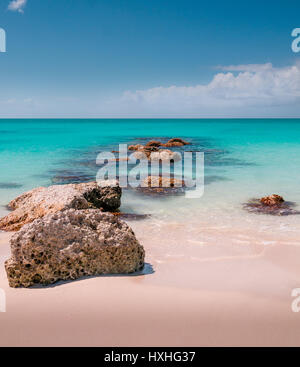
x=226, y=294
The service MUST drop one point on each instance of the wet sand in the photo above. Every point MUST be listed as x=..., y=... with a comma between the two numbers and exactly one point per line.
x=226, y=294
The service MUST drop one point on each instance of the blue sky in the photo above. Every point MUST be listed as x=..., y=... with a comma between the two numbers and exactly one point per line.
x=90, y=58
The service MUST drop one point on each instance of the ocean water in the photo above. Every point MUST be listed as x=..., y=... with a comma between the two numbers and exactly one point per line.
x=243, y=159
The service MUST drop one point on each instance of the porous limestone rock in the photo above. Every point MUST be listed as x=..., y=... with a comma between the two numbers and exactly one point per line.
x=160, y=181
x=272, y=205
x=272, y=200
x=152, y=150
x=135, y=147
x=154, y=143
x=176, y=142
x=161, y=186
x=70, y=244
x=165, y=155
x=155, y=154
x=44, y=200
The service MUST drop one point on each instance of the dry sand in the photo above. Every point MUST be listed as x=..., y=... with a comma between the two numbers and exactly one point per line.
x=225, y=295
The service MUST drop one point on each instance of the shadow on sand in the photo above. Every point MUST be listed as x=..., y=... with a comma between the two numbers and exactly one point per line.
x=147, y=270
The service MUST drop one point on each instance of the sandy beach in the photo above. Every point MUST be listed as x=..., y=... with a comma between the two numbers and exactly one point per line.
x=215, y=274
x=217, y=295
x=149, y=175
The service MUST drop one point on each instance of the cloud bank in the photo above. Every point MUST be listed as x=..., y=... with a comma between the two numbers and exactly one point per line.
x=256, y=90
x=17, y=5
x=238, y=88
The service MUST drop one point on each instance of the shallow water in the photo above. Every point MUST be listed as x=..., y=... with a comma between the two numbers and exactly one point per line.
x=243, y=159
x=229, y=272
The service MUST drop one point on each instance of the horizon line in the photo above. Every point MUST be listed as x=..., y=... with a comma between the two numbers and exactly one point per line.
x=149, y=118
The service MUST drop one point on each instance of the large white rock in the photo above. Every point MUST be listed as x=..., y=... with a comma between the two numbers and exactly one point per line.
x=70, y=244
x=44, y=200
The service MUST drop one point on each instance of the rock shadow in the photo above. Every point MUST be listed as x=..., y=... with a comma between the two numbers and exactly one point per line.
x=147, y=270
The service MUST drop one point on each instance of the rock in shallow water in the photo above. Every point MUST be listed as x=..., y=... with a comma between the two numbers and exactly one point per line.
x=71, y=244
x=161, y=186
x=70, y=179
x=41, y=201
x=176, y=142
x=152, y=150
x=132, y=216
x=272, y=205
x=165, y=155
x=272, y=200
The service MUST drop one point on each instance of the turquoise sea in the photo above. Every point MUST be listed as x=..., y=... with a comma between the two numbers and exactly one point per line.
x=243, y=158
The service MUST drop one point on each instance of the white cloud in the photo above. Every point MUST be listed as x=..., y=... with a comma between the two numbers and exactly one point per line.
x=239, y=89
x=249, y=67
x=17, y=5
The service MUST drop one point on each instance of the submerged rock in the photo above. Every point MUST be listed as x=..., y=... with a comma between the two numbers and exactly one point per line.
x=273, y=205
x=160, y=181
x=152, y=149
x=135, y=147
x=41, y=201
x=71, y=244
x=145, y=152
x=165, y=155
x=60, y=180
x=124, y=159
x=155, y=154
x=154, y=143
x=131, y=216
x=176, y=142
x=161, y=186
x=272, y=200
x=9, y=185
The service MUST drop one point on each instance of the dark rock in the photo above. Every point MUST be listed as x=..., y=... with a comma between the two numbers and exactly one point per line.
x=131, y=216
x=154, y=143
x=135, y=147
x=161, y=186
x=272, y=200
x=272, y=205
x=176, y=142
x=62, y=180
x=9, y=185
x=153, y=146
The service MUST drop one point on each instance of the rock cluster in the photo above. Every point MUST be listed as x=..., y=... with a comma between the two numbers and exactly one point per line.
x=160, y=154
x=70, y=244
x=152, y=150
x=41, y=201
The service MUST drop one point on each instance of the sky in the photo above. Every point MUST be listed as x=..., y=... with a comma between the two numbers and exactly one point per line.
x=149, y=58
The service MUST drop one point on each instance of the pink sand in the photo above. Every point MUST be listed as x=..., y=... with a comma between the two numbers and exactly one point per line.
x=224, y=288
